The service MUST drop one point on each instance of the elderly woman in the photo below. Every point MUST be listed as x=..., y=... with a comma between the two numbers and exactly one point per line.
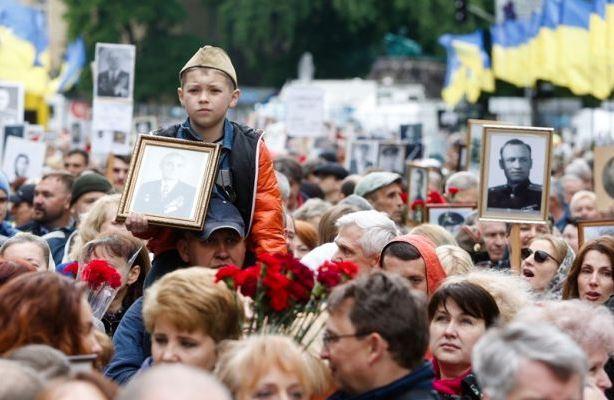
x=271, y=367
x=130, y=258
x=187, y=315
x=459, y=314
x=583, y=205
x=591, y=277
x=414, y=258
x=545, y=265
x=99, y=219
x=30, y=248
x=593, y=331
x=46, y=308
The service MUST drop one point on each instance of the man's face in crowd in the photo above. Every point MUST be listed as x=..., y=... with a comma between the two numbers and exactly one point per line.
x=75, y=164
x=84, y=202
x=172, y=166
x=535, y=380
x=350, y=249
x=528, y=232
x=570, y=234
x=412, y=270
x=388, y=199
x=51, y=200
x=119, y=173
x=224, y=246
x=494, y=236
x=516, y=163
x=206, y=95
x=584, y=208
x=347, y=356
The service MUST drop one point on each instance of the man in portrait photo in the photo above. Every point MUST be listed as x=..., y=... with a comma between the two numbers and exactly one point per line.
x=169, y=196
x=608, y=177
x=390, y=158
x=22, y=162
x=112, y=80
x=418, y=181
x=518, y=193
x=9, y=113
x=360, y=158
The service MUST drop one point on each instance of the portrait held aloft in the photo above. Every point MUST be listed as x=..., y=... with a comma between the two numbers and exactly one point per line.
x=449, y=216
x=603, y=173
x=391, y=157
x=170, y=181
x=362, y=155
x=515, y=173
x=115, y=64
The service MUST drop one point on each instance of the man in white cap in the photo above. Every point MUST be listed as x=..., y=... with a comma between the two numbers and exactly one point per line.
x=383, y=191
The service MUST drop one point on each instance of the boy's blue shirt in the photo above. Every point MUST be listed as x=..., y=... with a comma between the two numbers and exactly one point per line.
x=186, y=132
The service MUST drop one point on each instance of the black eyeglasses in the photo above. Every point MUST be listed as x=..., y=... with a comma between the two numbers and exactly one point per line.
x=540, y=256
x=328, y=338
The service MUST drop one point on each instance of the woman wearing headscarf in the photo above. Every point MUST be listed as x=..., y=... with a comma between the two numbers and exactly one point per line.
x=414, y=257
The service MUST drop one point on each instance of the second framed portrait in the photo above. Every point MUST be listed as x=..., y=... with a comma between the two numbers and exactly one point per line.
x=170, y=181
x=515, y=173
x=391, y=156
x=590, y=230
x=603, y=172
x=417, y=178
x=362, y=155
x=449, y=216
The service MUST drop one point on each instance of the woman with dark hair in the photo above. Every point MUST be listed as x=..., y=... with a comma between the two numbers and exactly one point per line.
x=46, y=308
x=130, y=258
x=591, y=276
x=459, y=314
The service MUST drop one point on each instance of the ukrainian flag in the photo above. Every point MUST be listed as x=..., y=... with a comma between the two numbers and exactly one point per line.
x=545, y=54
x=468, y=68
x=24, y=50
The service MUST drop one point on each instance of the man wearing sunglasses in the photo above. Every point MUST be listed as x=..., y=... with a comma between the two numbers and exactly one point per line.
x=375, y=339
x=518, y=193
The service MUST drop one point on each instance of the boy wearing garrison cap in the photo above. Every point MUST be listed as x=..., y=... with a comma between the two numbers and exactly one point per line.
x=245, y=174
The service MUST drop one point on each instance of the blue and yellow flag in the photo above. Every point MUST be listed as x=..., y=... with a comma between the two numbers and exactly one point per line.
x=24, y=51
x=468, y=68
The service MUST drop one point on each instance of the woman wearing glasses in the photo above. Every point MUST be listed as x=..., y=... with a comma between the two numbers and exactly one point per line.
x=545, y=265
x=591, y=275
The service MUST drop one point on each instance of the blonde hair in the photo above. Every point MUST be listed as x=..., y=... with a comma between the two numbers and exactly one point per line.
x=454, y=260
x=91, y=223
x=558, y=245
x=191, y=300
x=241, y=364
x=26, y=237
x=511, y=292
x=436, y=233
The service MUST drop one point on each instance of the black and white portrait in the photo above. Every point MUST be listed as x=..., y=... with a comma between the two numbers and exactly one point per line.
x=449, y=218
x=391, y=157
x=11, y=103
x=516, y=171
x=144, y=125
x=590, y=230
x=607, y=177
x=163, y=187
x=418, y=183
x=603, y=173
x=115, y=70
x=362, y=156
x=23, y=158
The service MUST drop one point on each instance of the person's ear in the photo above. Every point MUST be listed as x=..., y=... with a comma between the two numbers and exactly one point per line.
x=180, y=95
x=182, y=249
x=501, y=165
x=133, y=275
x=235, y=98
x=377, y=347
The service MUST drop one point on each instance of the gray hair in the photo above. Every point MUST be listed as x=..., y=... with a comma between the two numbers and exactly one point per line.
x=462, y=180
x=498, y=355
x=580, y=195
x=50, y=363
x=18, y=382
x=378, y=229
x=580, y=168
x=174, y=382
x=312, y=208
x=284, y=185
x=25, y=237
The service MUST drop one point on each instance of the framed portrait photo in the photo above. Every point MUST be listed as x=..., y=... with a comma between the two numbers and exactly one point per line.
x=473, y=142
x=603, y=173
x=23, y=158
x=515, y=174
x=589, y=230
x=144, y=125
x=11, y=103
x=170, y=181
x=417, y=178
x=449, y=216
x=391, y=156
x=361, y=155
x=114, y=77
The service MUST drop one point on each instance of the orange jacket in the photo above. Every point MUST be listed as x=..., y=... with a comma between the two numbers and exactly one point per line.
x=266, y=230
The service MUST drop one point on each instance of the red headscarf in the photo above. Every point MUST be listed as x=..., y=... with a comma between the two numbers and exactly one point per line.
x=435, y=273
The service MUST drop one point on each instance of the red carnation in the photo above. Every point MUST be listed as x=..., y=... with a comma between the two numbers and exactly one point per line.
x=419, y=203
x=227, y=272
x=435, y=197
x=452, y=190
x=98, y=272
x=247, y=279
x=405, y=197
x=279, y=299
x=72, y=268
x=348, y=268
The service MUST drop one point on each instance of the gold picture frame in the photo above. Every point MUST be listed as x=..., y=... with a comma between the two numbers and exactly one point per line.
x=450, y=216
x=170, y=181
x=527, y=200
x=589, y=230
x=603, y=173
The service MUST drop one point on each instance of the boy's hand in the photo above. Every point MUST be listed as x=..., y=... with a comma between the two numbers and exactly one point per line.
x=137, y=223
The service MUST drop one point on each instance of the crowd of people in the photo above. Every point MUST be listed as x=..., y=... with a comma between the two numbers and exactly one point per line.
x=432, y=313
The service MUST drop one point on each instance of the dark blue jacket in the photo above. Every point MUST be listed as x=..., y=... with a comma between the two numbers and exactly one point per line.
x=132, y=345
x=417, y=385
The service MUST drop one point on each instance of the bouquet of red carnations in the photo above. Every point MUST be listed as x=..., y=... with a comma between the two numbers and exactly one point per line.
x=103, y=282
x=287, y=297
